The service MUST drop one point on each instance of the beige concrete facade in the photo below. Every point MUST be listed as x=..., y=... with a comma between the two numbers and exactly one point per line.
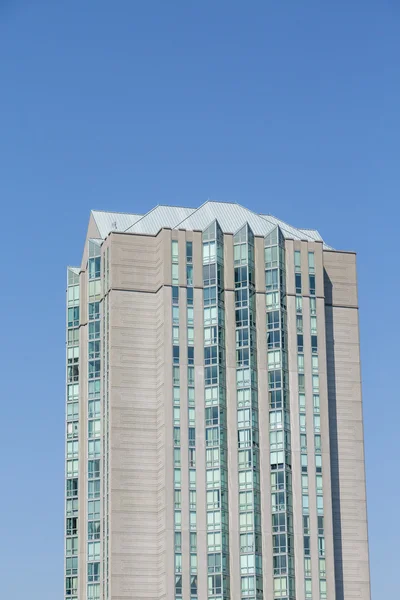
x=137, y=422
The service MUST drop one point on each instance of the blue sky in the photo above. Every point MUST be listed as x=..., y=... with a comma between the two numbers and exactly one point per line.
x=290, y=108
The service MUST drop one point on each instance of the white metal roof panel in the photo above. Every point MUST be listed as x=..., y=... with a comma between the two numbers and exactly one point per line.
x=312, y=233
x=159, y=217
x=111, y=221
x=231, y=217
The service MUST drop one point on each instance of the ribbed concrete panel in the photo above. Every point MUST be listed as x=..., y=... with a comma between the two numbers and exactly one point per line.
x=134, y=456
x=346, y=431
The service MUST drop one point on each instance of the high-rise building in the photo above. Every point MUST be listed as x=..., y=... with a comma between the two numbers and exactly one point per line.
x=214, y=435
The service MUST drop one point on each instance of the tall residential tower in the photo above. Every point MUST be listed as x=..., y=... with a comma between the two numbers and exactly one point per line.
x=214, y=435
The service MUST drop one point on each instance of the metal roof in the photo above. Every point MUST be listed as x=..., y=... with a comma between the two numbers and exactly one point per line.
x=230, y=216
x=111, y=221
x=159, y=217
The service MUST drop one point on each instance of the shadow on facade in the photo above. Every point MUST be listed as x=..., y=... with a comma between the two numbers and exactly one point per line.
x=333, y=438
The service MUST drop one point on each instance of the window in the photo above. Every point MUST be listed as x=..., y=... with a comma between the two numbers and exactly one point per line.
x=190, y=315
x=175, y=335
x=189, y=297
x=299, y=304
x=94, y=448
x=73, y=295
x=178, y=563
x=72, y=410
x=94, y=530
x=302, y=422
x=321, y=546
x=94, y=389
x=189, y=252
x=73, y=316
x=178, y=541
x=94, y=349
x=72, y=449
x=93, y=509
x=208, y=252
x=190, y=351
x=71, y=565
x=312, y=284
x=177, y=436
x=318, y=464
x=177, y=499
x=320, y=504
x=94, y=290
x=297, y=278
x=300, y=342
x=94, y=428
x=193, y=542
x=317, y=423
x=93, y=572
x=72, y=487
x=322, y=567
x=297, y=260
x=94, y=369
x=94, y=330
x=214, y=585
x=72, y=429
x=304, y=463
x=72, y=468
x=210, y=296
x=174, y=251
x=72, y=526
x=71, y=586
x=93, y=408
x=210, y=274
x=313, y=323
x=308, y=588
x=175, y=295
x=94, y=591
x=271, y=257
x=72, y=507
x=175, y=274
x=272, y=279
x=94, y=488
x=299, y=323
x=93, y=469
x=71, y=546
x=314, y=344
x=177, y=457
x=175, y=354
x=189, y=274
x=214, y=563
x=311, y=262
x=190, y=395
x=94, y=311
x=177, y=478
x=210, y=315
x=240, y=254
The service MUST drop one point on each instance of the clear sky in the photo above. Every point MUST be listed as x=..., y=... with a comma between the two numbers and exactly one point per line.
x=290, y=108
